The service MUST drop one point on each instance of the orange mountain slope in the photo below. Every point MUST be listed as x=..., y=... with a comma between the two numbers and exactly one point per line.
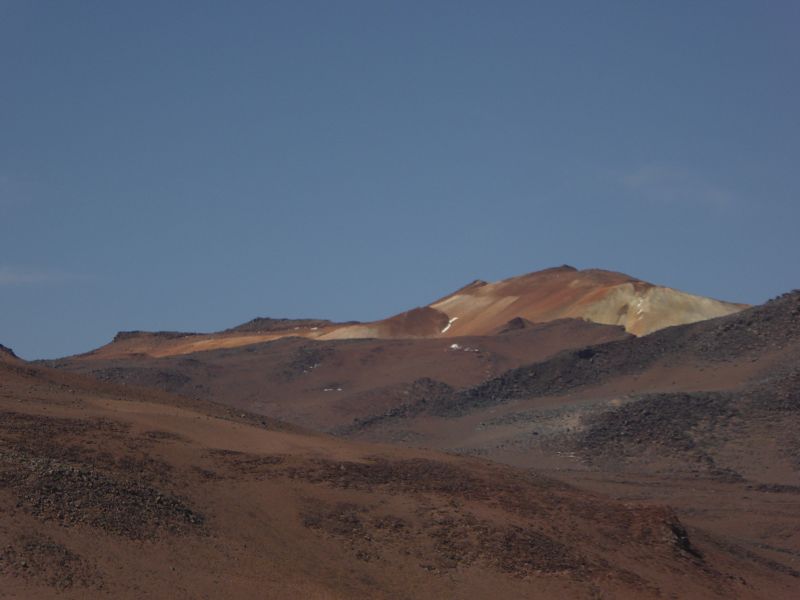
x=595, y=295
x=479, y=308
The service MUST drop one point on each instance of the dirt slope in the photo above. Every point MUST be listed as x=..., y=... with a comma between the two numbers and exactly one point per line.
x=564, y=292
x=124, y=493
x=704, y=417
x=769, y=334
x=606, y=297
x=327, y=384
x=751, y=354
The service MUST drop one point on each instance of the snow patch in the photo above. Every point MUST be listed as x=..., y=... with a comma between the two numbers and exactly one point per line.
x=463, y=348
x=449, y=324
x=638, y=304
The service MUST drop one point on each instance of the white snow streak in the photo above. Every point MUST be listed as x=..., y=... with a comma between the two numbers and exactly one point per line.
x=449, y=324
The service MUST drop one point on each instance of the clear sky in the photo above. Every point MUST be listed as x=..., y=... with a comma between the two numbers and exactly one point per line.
x=191, y=165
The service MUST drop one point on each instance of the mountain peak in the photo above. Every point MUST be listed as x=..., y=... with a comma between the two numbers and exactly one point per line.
x=479, y=308
x=605, y=297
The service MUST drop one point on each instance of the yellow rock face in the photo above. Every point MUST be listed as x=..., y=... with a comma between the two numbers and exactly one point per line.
x=600, y=296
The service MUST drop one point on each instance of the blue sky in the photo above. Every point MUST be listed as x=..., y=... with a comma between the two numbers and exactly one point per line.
x=191, y=165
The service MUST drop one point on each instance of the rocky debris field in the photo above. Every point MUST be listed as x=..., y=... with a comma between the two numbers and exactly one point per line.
x=304, y=360
x=122, y=336
x=408, y=401
x=692, y=424
x=266, y=324
x=67, y=483
x=72, y=495
x=448, y=532
x=669, y=424
x=169, y=381
x=41, y=560
x=126, y=495
x=444, y=541
x=773, y=327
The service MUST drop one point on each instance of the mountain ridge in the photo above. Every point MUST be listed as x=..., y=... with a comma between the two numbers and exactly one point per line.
x=478, y=308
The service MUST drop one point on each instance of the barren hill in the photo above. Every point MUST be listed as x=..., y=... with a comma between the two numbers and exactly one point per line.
x=477, y=309
x=703, y=416
x=326, y=384
x=751, y=357
x=565, y=292
x=127, y=493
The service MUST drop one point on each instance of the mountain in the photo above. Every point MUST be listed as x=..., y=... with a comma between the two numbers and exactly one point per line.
x=326, y=376
x=704, y=417
x=123, y=492
x=7, y=355
x=595, y=295
x=701, y=417
x=682, y=381
x=478, y=309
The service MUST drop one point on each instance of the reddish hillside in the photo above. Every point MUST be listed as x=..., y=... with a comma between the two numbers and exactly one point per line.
x=477, y=309
x=606, y=297
x=703, y=417
x=564, y=292
x=328, y=384
x=123, y=493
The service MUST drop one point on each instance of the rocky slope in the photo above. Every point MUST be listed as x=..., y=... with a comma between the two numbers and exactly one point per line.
x=127, y=493
x=327, y=384
x=770, y=332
